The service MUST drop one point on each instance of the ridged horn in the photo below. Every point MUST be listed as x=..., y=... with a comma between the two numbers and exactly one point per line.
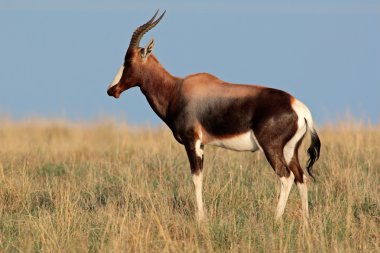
x=141, y=30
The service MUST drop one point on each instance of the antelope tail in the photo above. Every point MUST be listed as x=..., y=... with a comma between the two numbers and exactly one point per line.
x=314, y=148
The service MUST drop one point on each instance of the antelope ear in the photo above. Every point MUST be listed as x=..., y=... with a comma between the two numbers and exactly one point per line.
x=147, y=50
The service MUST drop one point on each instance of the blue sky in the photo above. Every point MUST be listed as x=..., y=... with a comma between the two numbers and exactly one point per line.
x=57, y=57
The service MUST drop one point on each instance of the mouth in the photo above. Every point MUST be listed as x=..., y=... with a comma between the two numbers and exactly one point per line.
x=113, y=93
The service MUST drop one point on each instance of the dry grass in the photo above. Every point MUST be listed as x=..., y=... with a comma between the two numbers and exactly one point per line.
x=104, y=187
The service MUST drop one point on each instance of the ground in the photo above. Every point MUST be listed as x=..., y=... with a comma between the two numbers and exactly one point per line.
x=108, y=187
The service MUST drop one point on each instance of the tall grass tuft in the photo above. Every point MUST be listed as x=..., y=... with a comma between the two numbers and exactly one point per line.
x=106, y=187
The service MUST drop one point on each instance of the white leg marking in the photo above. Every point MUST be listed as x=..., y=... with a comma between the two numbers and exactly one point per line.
x=286, y=186
x=117, y=78
x=302, y=187
x=198, y=182
x=198, y=149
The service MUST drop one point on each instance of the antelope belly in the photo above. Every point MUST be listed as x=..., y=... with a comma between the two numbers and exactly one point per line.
x=242, y=142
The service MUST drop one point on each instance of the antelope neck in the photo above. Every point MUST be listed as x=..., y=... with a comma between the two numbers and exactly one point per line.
x=159, y=88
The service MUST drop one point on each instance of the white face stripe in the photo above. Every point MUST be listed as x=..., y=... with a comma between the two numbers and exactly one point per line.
x=117, y=78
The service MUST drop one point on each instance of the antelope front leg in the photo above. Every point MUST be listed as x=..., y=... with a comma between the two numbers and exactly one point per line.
x=195, y=155
x=197, y=179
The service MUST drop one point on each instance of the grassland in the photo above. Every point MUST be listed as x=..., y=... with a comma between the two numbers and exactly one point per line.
x=106, y=187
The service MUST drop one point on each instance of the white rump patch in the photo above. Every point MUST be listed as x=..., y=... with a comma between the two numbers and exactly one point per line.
x=303, y=113
x=243, y=142
x=117, y=78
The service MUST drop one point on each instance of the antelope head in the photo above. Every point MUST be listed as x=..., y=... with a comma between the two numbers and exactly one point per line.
x=130, y=73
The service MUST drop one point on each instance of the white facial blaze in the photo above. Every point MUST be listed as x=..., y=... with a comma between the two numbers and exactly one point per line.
x=117, y=78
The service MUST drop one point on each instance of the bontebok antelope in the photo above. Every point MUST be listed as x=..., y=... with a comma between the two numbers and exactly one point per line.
x=201, y=109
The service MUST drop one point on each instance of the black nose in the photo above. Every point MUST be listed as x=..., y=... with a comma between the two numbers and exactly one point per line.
x=109, y=92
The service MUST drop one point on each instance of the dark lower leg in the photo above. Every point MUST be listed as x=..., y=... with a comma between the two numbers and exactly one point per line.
x=195, y=155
